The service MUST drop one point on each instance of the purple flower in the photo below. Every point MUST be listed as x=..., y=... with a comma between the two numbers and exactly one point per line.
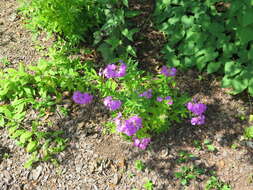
x=130, y=126
x=114, y=71
x=82, y=98
x=112, y=104
x=159, y=99
x=199, y=120
x=122, y=70
x=168, y=72
x=196, y=108
x=173, y=72
x=147, y=94
x=170, y=101
x=137, y=121
x=142, y=143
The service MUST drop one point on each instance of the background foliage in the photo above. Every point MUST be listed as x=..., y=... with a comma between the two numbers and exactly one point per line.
x=212, y=35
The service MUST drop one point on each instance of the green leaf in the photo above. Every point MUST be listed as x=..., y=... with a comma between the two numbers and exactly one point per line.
x=17, y=133
x=251, y=118
x=25, y=136
x=250, y=53
x=131, y=14
x=250, y=89
x=125, y=2
x=249, y=132
x=32, y=145
x=106, y=51
x=232, y=68
x=247, y=17
x=11, y=130
x=184, y=181
x=2, y=122
x=213, y=67
x=131, y=50
x=187, y=20
x=211, y=147
x=114, y=42
x=245, y=34
x=129, y=33
x=240, y=83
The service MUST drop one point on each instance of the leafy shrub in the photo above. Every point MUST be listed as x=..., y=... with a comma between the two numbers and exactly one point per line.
x=115, y=36
x=212, y=35
x=38, y=87
x=70, y=19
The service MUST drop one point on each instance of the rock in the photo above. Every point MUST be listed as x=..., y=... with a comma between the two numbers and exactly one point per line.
x=249, y=144
x=7, y=177
x=13, y=17
x=79, y=167
x=37, y=172
x=116, y=179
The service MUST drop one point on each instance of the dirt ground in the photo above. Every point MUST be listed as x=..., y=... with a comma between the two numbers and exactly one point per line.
x=97, y=161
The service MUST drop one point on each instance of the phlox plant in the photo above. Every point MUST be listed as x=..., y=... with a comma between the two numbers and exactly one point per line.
x=148, y=103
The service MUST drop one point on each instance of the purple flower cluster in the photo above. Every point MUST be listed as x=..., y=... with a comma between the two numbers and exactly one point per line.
x=168, y=99
x=198, y=110
x=114, y=71
x=82, y=98
x=129, y=126
x=168, y=72
x=141, y=143
x=112, y=104
x=147, y=94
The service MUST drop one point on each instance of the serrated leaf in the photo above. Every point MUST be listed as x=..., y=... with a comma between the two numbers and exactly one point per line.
x=25, y=136
x=213, y=67
x=32, y=145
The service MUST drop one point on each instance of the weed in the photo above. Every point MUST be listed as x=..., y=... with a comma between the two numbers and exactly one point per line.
x=149, y=185
x=214, y=183
x=188, y=173
x=209, y=145
x=139, y=165
x=184, y=156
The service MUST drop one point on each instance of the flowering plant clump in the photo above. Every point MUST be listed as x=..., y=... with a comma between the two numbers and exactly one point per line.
x=82, y=98
x=148, y=103
x=198, y=110
x=112, y=104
